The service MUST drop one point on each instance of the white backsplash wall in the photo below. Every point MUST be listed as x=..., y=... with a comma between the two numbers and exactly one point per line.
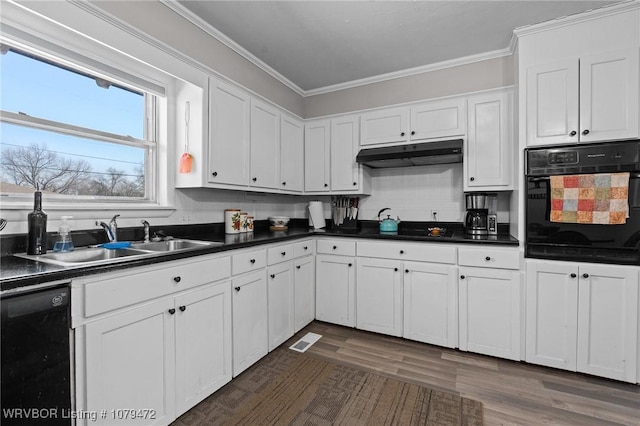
x=200, y=205
x=413, y=192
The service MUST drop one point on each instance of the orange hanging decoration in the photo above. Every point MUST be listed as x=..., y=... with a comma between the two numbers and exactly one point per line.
x=186, y=160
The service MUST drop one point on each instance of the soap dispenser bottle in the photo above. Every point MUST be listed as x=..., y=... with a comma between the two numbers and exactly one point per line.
x=63, y=240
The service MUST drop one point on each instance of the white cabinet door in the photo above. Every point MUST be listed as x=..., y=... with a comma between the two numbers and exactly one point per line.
x=265, y=145
x=345, y=133
x=379, y=296
x=317, y=171
x=335, y=289
x=130, y=363
x=489, y=308
x=230, y=137
x=291, y=154
x=280, y=300
x=609, y=96
x=552, y=314
x=608, y=321
x=430, y=304
x=385, y=126
x=487, y=162
x=552, y=103
x=304, y=292
x=203, y=344
x=439, y=119
x=250, y=320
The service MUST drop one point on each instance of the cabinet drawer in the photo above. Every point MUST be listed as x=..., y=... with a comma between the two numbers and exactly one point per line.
x=303, y=248
x=123, y=290
x=419, y=252
x=340, y=247
x=248, y=261
x=279, y=254
x=489, y=258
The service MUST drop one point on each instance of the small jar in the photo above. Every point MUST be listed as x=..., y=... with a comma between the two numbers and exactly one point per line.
x=249, y=223
x=232, y=223
x=243, y=221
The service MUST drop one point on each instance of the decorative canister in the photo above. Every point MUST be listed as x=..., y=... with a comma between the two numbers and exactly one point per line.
x=249, y=223
x=232, y=222
x=243, y=221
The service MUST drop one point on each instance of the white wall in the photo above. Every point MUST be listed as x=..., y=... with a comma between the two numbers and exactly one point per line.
x=413, y=192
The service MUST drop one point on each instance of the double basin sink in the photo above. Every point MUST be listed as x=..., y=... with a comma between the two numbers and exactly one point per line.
x=98, y=255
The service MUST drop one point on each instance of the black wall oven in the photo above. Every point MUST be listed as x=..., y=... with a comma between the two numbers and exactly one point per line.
x=614, y=244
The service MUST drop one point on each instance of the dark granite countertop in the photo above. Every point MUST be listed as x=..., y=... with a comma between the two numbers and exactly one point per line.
x=16, y=272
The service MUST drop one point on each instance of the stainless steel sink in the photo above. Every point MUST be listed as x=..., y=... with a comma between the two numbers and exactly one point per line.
x=91, y=256
x=86, y=256
x=172, y=245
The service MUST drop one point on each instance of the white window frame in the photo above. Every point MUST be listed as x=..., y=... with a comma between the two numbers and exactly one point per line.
x=43, y=37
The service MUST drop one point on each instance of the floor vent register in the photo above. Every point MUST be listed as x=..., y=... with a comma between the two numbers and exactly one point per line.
x=306, y=342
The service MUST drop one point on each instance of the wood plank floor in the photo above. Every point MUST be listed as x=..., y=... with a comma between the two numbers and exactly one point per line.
x=513, y=393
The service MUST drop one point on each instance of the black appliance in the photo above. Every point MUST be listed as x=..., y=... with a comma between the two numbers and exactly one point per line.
x=36, y=367
x=417, y=154
x=615, y=244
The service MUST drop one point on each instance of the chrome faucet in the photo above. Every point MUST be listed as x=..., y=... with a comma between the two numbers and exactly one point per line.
x=111, y=229
x=146, y=230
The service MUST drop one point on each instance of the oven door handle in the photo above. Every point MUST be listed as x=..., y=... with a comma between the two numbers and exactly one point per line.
x=632, y=175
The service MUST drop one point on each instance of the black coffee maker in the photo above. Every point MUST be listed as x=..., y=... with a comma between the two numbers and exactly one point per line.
x=476, y=219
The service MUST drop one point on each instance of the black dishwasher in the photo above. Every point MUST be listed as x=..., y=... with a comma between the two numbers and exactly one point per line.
x=35, y=356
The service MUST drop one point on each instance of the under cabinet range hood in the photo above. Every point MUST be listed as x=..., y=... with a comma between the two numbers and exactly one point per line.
x=418, y=154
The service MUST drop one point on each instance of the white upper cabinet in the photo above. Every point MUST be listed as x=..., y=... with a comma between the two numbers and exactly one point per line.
x=438, y=119
x=317, y=172
x=291, y=154
x=265, y=145
x=229, y=134
x=385, y=126
x=345, y=133
x=487, y=160
x=330, y=157
x=427, y=120
x=587, y=99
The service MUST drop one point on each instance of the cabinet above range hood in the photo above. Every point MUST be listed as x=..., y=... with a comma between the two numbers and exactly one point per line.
x=419, y=154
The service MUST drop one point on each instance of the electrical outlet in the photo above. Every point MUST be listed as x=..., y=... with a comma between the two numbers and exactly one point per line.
x=435, y=215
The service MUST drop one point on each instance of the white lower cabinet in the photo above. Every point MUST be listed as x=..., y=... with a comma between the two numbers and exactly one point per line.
x=583, y=317
x=335, y=289
x=280, y=298
x=165, y=356
x=489, y=308
x=431, y=304
x=250, y=320
x=379, y=297
x=304, y=292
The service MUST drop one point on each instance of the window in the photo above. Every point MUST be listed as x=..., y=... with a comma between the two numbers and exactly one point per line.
x=73, y=133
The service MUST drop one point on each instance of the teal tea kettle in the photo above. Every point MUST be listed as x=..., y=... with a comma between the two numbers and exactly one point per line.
x=387, y=224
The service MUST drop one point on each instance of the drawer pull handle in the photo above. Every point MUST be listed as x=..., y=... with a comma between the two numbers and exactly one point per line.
x=284, y=253
x=406, y=271
x=462, y=277
x=395, y=269
x=214, y=174
x=272, y=276
x=335, y=247
x=401, y=251
x=585, y=275
x=488, y=258
x=305, y=247
x=237, y=288
x=172, y=311
x=182, y=308
x=177, y=279
x=252, y=261
x=350, y=265
x=573, y=275
x=298, y=267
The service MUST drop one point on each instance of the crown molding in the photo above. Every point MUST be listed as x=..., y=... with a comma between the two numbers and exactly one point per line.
x=589, y=15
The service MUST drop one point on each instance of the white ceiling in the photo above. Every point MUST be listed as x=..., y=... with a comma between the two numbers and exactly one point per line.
x=316, y=46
